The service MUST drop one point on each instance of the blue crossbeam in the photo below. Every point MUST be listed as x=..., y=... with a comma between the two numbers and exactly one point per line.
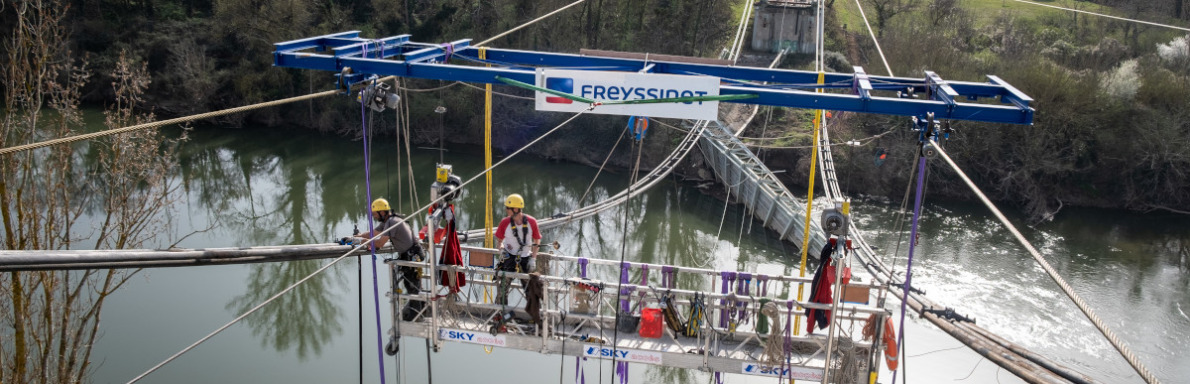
x=389, y=47
x=787, y=88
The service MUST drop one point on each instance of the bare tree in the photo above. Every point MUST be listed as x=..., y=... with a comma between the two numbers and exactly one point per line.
x=54, y=316
x=886, y=10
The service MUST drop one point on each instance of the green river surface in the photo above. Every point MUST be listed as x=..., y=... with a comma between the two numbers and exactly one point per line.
x=267, y=187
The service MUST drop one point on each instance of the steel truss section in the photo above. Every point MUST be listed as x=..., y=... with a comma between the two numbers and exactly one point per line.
x=357, y=58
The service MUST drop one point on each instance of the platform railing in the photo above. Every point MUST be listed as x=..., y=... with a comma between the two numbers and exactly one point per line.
x=580, y=302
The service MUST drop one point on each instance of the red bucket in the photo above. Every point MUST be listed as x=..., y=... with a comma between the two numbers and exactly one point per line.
x=651, y=322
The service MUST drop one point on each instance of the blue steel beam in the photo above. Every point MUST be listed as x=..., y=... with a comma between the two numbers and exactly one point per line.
x=314, y=42
x=390, y=46
x=786, y=88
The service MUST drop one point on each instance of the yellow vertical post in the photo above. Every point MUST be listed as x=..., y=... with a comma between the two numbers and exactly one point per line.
x=487, y=163
x=487, y=156
x=797, y=321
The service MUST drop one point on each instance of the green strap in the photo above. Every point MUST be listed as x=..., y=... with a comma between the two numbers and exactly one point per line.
x=546, y=90
x=684, y=99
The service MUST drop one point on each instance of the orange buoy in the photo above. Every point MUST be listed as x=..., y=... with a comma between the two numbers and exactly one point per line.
x=890, y=342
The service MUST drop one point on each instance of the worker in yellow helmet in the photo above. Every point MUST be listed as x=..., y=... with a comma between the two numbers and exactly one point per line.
x=518, y=236
x=396, y=230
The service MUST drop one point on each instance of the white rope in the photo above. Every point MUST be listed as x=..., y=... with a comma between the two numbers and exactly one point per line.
x=820, y=54
x=345, y=255
x=158, y=124
x=722, y=218
x=1107, y=16
x=738, y=41
x=485, y=42
x=1082, y=305
x=873, y=34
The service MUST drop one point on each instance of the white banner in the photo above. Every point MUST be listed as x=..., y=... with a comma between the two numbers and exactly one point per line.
x=794, y=372
x=472, y=337
x=629, y=355
x=604, y=86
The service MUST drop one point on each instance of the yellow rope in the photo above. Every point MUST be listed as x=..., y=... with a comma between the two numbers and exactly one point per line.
x=487, y=155
x=797, y=321
x=487, y=163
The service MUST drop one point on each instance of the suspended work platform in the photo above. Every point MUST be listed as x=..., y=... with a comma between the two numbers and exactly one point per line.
x=580, y=298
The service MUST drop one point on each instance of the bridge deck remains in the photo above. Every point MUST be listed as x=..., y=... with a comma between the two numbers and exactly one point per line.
x=754, y=185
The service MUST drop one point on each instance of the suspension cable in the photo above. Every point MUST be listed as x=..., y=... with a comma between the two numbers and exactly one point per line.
x=367, y=242
x=485, y=42
x=707, y=261
x=874, y=41
x=1053, y=274
x=601, y=166
x=1107, y=16
x=623, y=268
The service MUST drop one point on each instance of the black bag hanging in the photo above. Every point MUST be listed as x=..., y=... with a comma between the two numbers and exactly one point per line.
x=673, y=319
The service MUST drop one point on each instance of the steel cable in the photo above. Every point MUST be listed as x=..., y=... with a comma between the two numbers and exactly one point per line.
x=345, y=255
x=1053, y=274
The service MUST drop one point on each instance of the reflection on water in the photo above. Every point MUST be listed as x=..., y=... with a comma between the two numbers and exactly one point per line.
x=304, y=319
x=268, y=187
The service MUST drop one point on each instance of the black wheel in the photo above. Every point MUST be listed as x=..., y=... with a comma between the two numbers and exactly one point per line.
x=392, y=347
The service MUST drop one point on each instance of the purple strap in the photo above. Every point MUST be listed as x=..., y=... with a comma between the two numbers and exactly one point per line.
x=745, y=283
x=450, y=50
x=921, y=177
x=579, y=376
x=624, y=272
x=743, y=304
x=375, y=284
x=622, y=370
x=723, y=302
x=582, y=267
x=626, y=293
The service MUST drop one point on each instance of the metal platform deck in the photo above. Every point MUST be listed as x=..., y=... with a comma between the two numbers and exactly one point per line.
x=578, y=317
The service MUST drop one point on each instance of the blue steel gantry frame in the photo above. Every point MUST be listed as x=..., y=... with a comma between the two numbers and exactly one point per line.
x=397, y=56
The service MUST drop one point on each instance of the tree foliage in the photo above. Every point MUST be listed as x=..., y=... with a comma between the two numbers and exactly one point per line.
x=1110, y=128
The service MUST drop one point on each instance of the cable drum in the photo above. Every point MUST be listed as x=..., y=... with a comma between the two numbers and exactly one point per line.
x=929, y=151
x=836, y=220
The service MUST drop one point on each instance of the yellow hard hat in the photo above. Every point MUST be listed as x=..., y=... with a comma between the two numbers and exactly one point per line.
x=380, y=205
x=514, y=201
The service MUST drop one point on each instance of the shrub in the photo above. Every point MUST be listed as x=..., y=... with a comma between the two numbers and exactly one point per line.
x=836, y=62
x=1121, y=83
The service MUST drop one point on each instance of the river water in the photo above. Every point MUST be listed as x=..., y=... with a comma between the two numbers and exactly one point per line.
x=269, y=187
